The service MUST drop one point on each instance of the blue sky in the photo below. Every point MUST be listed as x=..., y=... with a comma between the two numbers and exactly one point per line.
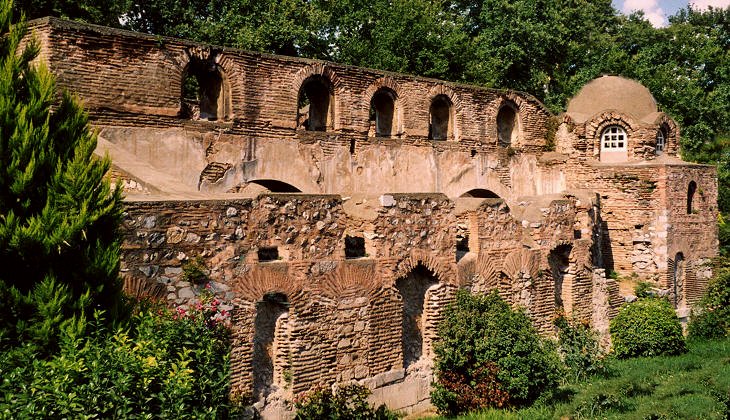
x=657, y=11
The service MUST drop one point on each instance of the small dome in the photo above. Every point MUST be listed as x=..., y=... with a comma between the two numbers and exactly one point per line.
x=612, y=93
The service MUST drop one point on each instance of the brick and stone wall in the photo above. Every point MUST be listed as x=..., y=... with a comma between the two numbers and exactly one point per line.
x=336, y=319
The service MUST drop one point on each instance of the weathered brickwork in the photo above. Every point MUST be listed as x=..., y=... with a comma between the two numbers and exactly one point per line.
x=336, y=210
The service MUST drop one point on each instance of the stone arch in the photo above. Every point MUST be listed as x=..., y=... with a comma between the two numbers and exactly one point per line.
x=599, y=123
x=326, y=85
x=479, y=193
x=275, y=185
x=216, y=75
x=447, y=95
x=385, y=85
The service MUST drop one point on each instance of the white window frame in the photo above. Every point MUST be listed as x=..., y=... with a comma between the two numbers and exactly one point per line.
x=614, y=139
x=661, y=142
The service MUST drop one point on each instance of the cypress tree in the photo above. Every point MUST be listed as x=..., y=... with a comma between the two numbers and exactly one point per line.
x=59, y=215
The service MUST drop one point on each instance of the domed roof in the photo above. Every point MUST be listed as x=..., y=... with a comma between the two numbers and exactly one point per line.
x=612, y=93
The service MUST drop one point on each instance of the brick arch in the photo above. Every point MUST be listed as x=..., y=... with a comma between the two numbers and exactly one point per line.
x=274, y=278
x=318, y=69
x=348, y=278
x=401, y=100
x=522, y=261
x=599, y=122
x=441, y=271
x=233, y=77
x=456, y=105
x=511, y=100
x=672, y=139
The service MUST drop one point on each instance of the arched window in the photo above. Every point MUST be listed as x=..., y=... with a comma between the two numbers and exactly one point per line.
x=661, y=140
x=383, y=112
x=315, y=104
x=204, y=92
x=613, y=139
x=690, y=196
x=441, y=123
x=271, y=353
x=507, y=125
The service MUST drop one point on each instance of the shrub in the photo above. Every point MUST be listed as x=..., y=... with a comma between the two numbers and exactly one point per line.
x=490, y=356
x=162, y=365
x=647, y=327
x=643, y=289
x=349, y=402
x=579, y=348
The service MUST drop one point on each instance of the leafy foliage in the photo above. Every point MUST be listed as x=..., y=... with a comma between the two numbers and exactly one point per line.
x=579, y=348
x=161, y=365
x=483, y=339
x=348, y=402
x=59, y=246
x=647, y=327
x=713, y=318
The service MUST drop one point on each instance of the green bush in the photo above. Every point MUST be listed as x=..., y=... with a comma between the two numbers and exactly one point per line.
x=579, y=348
x=647, y=327
x=163, y=364
x=712, y=320
x=349, y=402
x=643, y=289
x=489, y=356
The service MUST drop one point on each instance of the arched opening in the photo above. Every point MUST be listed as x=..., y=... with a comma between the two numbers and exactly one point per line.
x=413, y=290
x=383, y=112
x=678, y=280
x=559, y=261
x=661, y=139
x=614, y=143
x=479, y=193
x=271, y=351
x=691, y=189
x=276, y=186
x=315, y=104
x=204, y=92
x=507, y=125
x=441, y=121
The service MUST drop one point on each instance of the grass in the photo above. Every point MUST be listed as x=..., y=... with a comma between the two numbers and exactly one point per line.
x=695, y=385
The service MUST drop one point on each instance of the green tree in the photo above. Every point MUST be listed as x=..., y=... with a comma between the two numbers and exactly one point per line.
x=421, y=37
x=289, y=27
x=59, y=216
x=100, y=12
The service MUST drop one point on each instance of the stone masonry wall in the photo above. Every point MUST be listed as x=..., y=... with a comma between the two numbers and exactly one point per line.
x=345, y=317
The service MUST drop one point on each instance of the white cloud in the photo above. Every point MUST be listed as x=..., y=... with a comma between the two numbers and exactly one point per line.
x=652, y=11
x=703, y=4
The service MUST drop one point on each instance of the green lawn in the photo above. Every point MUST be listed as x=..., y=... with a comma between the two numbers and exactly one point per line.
x=695, y=385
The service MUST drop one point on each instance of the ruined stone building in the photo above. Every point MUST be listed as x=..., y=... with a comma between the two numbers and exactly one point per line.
x=338, y=209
